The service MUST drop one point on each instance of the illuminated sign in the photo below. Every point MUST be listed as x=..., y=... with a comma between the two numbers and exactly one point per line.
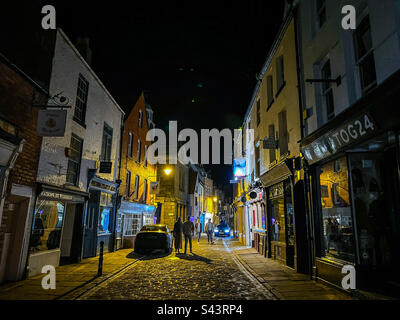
x=239, y=167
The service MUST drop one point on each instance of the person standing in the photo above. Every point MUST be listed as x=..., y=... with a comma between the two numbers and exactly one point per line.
x=198, y=229
x=177, y=232
x=188, y=231
x=210, y=231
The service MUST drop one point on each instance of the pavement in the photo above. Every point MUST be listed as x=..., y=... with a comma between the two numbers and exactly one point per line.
x=223, y=271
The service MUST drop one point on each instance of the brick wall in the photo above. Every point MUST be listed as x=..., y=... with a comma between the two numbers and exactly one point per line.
x=16, y=94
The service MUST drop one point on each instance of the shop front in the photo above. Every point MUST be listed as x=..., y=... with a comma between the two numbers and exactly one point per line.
x=131, y=217
x=56, y=233
x=354, y=178
x=258, y=220
x=100, y=217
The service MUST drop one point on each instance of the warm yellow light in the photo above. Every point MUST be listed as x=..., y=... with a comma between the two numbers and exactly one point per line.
x=215, y=199
x=167, y=171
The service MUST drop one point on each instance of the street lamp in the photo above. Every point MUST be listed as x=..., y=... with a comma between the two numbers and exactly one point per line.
x=215, y=199
x=167, y=171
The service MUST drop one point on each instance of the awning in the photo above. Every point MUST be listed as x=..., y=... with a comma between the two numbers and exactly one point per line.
x=276, y=174
x=137, y=208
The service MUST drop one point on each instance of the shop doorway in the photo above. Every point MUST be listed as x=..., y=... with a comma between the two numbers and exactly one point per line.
x=375, y=192
x=289, y=224
x=91, y=221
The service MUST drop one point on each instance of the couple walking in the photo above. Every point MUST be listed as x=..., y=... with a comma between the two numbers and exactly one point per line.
x=187, y=228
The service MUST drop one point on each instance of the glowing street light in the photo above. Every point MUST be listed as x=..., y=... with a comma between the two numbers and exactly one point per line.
x=167, y=171
x=215, y=199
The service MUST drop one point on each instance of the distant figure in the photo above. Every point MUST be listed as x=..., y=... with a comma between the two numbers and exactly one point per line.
x=188, y=231
x=276, y=230
x=177, y=232
x=198, y=230
x=210, y=231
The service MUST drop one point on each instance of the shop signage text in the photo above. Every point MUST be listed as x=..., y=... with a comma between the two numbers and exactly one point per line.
x=331, y=142
x=51, y=123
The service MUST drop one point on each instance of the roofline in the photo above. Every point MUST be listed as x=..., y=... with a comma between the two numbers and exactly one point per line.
x=23, y=74
x=89, y=69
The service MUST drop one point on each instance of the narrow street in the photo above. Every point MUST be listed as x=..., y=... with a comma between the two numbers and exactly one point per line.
x=209, y=273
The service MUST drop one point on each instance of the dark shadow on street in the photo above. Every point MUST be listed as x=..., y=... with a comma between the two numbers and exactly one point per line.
x=193, y=256
x=149, y=255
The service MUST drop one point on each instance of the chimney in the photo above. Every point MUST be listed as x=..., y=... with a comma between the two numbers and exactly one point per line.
x=82, y=44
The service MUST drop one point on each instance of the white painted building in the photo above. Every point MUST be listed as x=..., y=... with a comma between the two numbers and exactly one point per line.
x=69, y=167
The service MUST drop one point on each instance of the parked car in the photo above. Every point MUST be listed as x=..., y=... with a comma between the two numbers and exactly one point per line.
x=222, y=230
x=153, y=236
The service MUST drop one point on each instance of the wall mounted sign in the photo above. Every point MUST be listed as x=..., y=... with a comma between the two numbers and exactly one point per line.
x=239, y=167
x=270, y=143
x=105, y=167
x=51, y=123
x=331, y=142
x=154, y=187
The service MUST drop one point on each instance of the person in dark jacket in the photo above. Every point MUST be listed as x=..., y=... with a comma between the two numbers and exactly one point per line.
x=188, y=231
x=177, y=232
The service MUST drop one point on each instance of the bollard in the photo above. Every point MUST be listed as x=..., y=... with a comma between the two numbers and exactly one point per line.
x=100, y=269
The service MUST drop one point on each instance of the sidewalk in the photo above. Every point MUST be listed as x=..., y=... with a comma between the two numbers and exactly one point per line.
x=283, y=282
x=71, y=279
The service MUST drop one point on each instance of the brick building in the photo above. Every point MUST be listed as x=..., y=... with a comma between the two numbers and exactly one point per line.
x=19, y=156
x=137, y=204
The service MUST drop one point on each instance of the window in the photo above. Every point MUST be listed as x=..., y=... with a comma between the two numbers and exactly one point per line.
x=136, y=187
x=321, y=12
x=257, y=160
x=74, y=161
x=47, y=225
x=81, y=99
x=130, y=144
x=181, y=179
x=105, y=213
x=128, y=184
x=258, y=112
x=140, y=119
x=365, y=55
x=145, y=191
x=271, y=133
x=336, y=220
x=107, y=143
x=327, y=92
x=280, y=75
x=283, y=134
x=270, y=92
x=145, y=156
x=139, y=149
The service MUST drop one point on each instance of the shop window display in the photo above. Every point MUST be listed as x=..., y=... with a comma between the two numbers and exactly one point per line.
x=47, y=226
x=337, y=224
x=278, y=212
x=105, y=213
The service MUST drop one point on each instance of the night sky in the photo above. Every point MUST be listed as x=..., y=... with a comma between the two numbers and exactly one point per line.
x=196, y=60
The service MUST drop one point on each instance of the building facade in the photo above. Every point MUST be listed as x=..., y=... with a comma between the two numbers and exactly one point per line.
x=137, y=204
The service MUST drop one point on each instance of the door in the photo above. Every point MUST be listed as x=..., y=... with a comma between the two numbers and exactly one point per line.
x=289, y=224
x=77, y=234
x=91, y=220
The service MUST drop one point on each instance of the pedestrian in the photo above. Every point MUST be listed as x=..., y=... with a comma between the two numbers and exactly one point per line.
x=177, y=232
x=198, y=229
x=276, y=230
x=188, y=231
x=210, y=231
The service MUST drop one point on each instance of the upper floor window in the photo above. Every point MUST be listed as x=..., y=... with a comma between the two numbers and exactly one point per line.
x=81, y=99
x=280, y=74
x=139, y=149
x=145, y=191
x=145, y=156
x=140, y=118
x=258, y=112
x=137, y=187
x=74, y=160
x=107, y=143
x=130, y=144
x=271, y=134
x=270, y=92
x=128, y=183
x=365, y=55
x=327, y=92
x=283, y=133
x=321, y=12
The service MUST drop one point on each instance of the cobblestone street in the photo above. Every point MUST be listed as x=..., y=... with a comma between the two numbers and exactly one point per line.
x=209, y=273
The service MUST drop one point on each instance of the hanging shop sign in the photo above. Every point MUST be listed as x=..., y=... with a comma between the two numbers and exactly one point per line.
x=154, y=187
x=331, y=142
x=270, y=143
x=239, y=167
x=51, y=123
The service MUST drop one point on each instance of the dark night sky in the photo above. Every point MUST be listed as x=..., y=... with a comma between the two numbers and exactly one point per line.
x=208, y=52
